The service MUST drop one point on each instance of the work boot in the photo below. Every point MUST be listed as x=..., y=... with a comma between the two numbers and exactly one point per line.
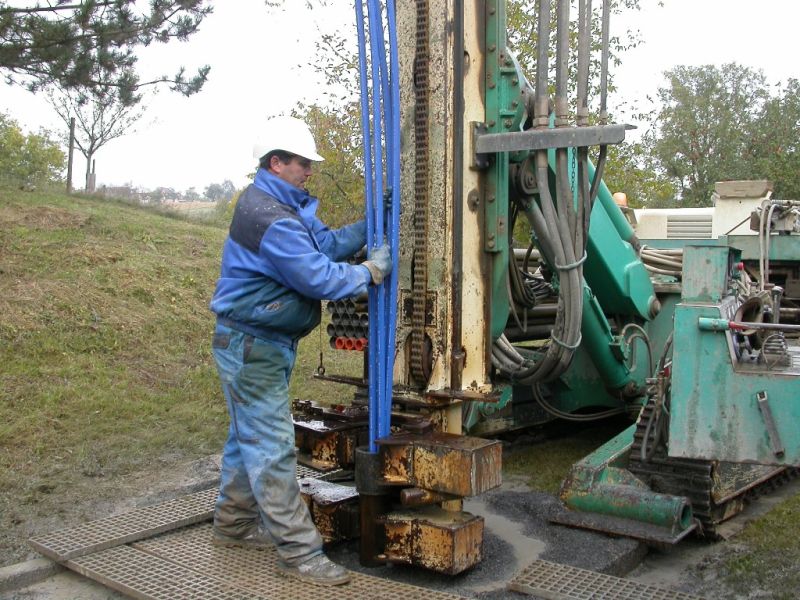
x=318, y=571
x=256, y=539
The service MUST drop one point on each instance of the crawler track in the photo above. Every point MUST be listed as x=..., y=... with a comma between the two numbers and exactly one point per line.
x=717, y=490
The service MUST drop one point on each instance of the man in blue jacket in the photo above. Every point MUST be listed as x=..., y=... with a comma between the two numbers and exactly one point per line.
x=278, y=262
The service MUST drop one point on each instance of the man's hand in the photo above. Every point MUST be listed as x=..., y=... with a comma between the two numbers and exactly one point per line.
x=379, y=264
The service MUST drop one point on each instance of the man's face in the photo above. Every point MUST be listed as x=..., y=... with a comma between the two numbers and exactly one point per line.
x=295, y=172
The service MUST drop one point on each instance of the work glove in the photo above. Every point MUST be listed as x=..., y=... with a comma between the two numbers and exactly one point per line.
x=379, y=264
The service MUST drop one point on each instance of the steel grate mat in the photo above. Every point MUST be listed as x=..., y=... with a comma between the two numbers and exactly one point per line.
x=134, y=525
x=255, y=571
x=147, y=577
x=553, y=581
x=127, y=527
x=305, y=471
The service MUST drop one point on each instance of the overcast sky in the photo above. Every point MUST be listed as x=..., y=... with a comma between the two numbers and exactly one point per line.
x=254, y=56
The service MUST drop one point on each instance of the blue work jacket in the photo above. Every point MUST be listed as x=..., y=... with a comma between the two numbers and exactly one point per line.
x=279, y=260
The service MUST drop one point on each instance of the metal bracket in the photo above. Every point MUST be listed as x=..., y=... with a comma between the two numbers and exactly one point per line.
x=543, y=139
x=479, y=161
x=769, y=422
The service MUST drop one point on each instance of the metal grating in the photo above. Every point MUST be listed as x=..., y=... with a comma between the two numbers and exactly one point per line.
x=135, y=525
x=552, y=581
x=305, y=471
x=146, y=577
x=185, y=564
x=128, y=527
x=256, y=571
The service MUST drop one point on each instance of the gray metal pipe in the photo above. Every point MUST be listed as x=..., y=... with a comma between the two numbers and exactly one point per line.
x=605, y=27
x=542, y=103
x=521, y=253
x=531, y=332
x=584, y=37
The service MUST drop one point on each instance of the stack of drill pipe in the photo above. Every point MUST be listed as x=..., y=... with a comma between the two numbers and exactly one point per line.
x=349, y=326
x=349, y=343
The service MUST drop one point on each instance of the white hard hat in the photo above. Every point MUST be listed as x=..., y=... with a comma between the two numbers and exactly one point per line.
x=288, y=134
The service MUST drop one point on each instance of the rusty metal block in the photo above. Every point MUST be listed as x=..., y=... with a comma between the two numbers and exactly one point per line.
x=442, y=462
x=327, y=444
x=333, y=507
x=396, y=462
x=439, y=540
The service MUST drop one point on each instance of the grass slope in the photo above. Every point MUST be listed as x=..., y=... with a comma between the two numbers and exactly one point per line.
x=103, y=339
x=105, y=347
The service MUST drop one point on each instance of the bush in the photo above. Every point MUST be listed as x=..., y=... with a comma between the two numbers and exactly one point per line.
x=29, y=160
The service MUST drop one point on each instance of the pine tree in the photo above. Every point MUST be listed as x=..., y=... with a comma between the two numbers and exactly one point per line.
x=91, y=44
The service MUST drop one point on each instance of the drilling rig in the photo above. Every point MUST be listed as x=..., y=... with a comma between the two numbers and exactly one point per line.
x=522, y=294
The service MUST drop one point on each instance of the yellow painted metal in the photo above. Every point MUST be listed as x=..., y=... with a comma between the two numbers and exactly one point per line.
x=333, y=507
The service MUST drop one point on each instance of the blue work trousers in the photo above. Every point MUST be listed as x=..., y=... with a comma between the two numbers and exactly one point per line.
x=258, y=481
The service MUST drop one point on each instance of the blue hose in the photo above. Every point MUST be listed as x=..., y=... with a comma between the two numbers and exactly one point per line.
x=378, y=293
x=394, y=173
x=381, y=152
x=367, y=149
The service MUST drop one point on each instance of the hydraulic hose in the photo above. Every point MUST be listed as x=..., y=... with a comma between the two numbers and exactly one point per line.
x=380, y=99
x=560, y=223
x=372, y=366
x=377, y=294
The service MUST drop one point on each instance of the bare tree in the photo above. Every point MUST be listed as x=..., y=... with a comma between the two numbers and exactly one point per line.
x=99, y=119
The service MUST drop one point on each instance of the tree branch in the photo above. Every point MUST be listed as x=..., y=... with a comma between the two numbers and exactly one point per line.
x=56, y=8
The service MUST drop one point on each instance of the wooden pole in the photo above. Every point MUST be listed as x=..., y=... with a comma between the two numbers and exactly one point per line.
x=93, y=177
x=71, y=152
